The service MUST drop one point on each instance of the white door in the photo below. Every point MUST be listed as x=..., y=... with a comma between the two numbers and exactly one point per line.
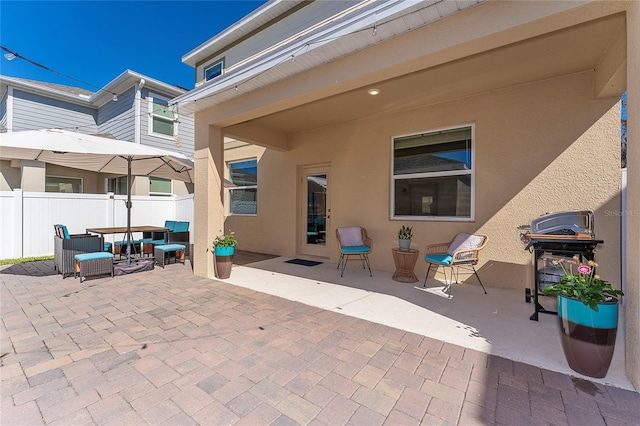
x=315, y=212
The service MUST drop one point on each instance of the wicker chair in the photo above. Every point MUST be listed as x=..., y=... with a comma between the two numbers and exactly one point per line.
x=354, y=241
x=66, y=246
x=462, y=251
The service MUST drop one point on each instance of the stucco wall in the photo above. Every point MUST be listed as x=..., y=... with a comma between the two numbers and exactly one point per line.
x=527, y=163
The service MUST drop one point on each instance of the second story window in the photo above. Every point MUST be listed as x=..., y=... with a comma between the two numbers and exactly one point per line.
x=161, y=119
x=213, y=71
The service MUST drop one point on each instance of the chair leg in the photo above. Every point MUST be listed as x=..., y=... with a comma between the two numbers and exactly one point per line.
x=366, y=258
x=340, y=260
x=344, y=264
x=425, y=278
x=478, y=277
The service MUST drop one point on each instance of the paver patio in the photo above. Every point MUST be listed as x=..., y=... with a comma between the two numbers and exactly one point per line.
x=167, y=347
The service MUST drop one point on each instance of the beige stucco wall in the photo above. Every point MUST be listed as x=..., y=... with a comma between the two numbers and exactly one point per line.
x=527, y=163
x=9, y=176
x=632, y=308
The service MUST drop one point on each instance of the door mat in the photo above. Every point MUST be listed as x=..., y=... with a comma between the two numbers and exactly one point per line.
x=303, y=262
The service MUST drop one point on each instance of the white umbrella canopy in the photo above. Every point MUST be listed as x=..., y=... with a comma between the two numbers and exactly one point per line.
x=98, y=154
x=94, y=153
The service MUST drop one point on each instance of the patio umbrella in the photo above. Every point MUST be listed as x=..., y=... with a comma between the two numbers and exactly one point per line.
x=98, y=154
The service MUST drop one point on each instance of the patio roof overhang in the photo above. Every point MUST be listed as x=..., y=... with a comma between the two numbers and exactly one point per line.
x=420, y=66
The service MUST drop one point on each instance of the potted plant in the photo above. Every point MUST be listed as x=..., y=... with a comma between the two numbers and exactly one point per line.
x=223, y=249
x=587, y=316
x=404, y=237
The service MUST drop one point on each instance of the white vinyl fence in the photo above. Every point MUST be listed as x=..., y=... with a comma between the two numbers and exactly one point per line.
x=27, y=218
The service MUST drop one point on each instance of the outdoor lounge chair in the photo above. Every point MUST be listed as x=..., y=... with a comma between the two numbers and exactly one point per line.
x=462, y=251
x=354, y=241
x=66, y=246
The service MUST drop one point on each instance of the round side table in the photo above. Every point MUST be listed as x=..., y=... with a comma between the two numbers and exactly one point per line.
x=405, y=262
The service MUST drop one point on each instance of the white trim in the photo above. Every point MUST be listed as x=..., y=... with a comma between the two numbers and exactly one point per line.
x=136, y=113
x=9, y=109
x=472, y=173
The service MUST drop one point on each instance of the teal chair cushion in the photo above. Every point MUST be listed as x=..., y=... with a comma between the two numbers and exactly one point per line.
x=93, y=256
x=181, y=227
x=440, y=259
x=170, y=247
x=107, y=246
x=156, y=242
x=170, y=224
x=65, y=232
x=356, y=249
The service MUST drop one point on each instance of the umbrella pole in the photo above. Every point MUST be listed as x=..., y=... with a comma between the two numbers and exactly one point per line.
x=129, y=184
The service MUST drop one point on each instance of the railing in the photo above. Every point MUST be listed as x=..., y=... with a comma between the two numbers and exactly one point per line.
x=27, y=218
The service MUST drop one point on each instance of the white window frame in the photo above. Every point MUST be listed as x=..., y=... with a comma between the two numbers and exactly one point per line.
x=235, y=187
x=471, y=173
x=160, y=194
x=150, y=98
x=215, y=64
x=64, y=177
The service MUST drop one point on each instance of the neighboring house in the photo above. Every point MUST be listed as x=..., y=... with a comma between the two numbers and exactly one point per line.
x=522, y=98
x=132, y=107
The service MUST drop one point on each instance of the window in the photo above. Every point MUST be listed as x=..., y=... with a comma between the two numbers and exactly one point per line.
x=213, y=71
x=159, y=186
x=117, y=185
x=161, y=119
x=63, y=184
x=433, y=175
x=243, y=195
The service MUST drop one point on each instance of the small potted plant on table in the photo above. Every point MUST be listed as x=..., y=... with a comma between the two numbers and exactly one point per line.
x=223, y=249
x=587, y=316
x=404, y=237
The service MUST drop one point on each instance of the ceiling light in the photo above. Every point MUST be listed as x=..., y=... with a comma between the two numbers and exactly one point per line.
x=114, y=98
x=374, y=92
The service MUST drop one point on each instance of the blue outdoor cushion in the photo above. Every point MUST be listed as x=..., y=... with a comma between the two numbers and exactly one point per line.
x=107, y=246
x=155, y=242
x=441, y=259
x=93, y=256
x=356, y=249
x=181, y=227
x=65, y=232
x=169, y=224
x=170, y=247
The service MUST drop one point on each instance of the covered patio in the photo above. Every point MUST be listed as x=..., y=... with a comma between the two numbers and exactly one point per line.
x=169, y=346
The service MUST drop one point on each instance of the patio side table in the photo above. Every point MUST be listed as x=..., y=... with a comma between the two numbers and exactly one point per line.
x=405, y=262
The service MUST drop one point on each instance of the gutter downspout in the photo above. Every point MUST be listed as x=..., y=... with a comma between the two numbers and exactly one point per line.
x=136, y=111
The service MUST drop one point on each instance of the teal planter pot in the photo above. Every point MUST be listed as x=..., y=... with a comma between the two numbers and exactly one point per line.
x=223, y=261
x=224, y=251
x=588, y=337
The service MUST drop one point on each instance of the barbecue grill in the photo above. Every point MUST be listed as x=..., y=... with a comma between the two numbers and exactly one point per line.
x=553, y=235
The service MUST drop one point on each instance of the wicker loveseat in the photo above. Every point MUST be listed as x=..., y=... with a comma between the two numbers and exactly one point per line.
x=66, y=246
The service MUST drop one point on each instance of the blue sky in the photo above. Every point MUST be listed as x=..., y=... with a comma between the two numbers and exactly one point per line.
x=95, y=41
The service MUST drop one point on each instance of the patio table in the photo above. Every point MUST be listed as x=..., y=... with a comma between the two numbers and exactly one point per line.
x=123, y=230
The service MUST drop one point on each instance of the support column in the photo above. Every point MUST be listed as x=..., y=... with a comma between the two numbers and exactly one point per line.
x=208, y=196
x=632, y=309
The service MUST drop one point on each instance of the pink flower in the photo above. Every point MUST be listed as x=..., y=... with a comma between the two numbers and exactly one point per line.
x=584, y=269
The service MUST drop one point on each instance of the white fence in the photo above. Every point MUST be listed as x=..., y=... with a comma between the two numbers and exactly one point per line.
x=27, y=218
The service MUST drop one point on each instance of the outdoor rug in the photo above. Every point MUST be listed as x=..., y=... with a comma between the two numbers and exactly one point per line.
x=303, y=262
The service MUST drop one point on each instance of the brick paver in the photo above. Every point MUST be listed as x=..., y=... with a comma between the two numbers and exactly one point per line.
x=167, y=347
